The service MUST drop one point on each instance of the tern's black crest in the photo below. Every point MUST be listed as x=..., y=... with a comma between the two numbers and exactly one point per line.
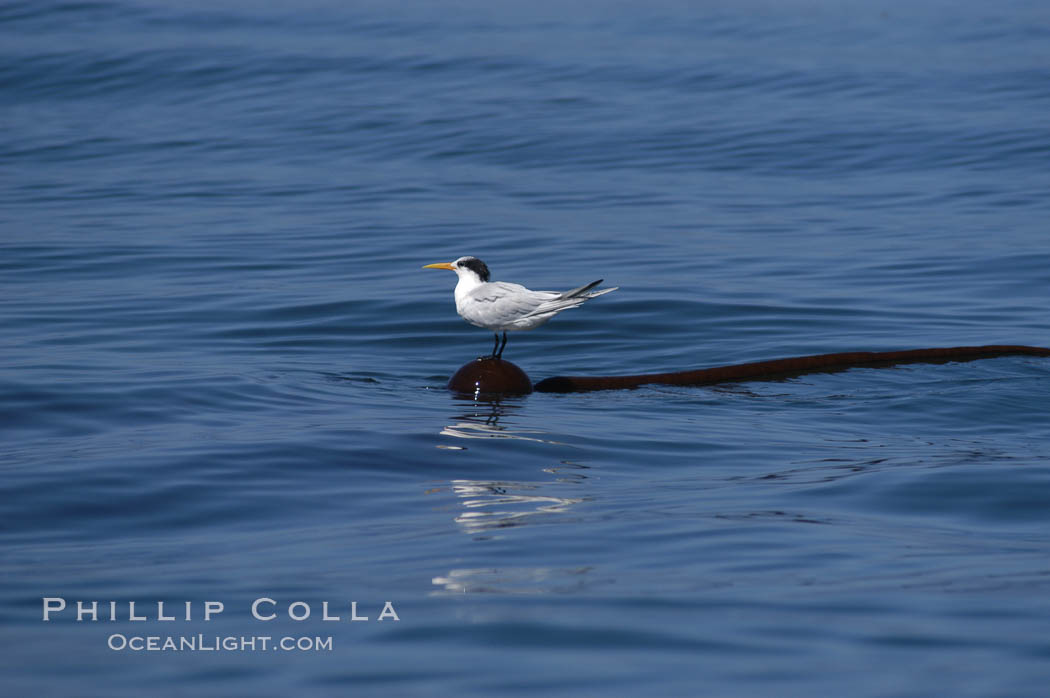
x=476, y=266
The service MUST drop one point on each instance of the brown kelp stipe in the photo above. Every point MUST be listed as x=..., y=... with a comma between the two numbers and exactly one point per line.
x=784, y=368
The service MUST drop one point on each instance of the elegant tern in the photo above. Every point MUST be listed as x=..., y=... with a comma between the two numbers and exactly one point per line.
x=501, y=307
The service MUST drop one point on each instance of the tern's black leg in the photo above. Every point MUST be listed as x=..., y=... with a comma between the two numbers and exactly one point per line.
x=495, y=344
x=501, y=346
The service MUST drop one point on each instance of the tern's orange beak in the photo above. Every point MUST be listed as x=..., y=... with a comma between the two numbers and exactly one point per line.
x=440, y=265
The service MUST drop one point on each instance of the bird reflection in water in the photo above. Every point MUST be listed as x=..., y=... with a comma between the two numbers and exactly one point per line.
x=514, y=580
x=487, y=509
x=492, y=505
x=483, y=422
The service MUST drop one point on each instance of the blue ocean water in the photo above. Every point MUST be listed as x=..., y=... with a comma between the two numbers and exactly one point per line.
x=223, y=369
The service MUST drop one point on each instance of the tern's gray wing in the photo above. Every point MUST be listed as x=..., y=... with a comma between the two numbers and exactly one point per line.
x=558, y=302
x=581, y=290
x=499, y=302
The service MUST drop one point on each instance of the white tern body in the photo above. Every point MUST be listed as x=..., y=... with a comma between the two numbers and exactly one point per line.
x=501, y=306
